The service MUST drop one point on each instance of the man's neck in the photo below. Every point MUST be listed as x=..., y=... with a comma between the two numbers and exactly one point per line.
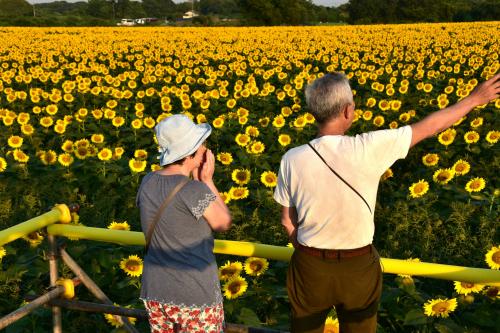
x=331, y=128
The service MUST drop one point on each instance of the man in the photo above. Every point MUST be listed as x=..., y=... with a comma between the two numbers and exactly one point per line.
x=328, y=191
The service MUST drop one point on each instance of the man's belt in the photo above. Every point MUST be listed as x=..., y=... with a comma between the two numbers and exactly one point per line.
x=335, y=254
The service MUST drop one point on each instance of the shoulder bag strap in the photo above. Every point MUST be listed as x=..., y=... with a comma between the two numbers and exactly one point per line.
x=342, y=179
x=164, y=205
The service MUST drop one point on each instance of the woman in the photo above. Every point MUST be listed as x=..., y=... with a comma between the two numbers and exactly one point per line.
x=180, y=285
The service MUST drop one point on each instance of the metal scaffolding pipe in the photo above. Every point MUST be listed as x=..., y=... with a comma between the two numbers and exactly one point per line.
x=96, y=307
x=93, y=287
x=137, y=313
x=59, y=213
x=54, y=275
x=23, y=311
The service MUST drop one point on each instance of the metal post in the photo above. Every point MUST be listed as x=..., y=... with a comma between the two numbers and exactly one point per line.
x=23, y=311
x=54, y=275
x=93, y=287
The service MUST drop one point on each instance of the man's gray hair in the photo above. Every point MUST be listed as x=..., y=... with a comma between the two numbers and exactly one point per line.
x=327, y=96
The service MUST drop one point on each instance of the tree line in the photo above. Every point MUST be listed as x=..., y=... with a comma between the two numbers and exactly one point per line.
x=247, y=12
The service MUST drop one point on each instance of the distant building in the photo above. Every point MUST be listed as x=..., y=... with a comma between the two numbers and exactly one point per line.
x=189, y=15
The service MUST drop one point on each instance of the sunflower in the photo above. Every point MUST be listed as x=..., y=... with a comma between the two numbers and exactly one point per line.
x=492, y=292
x=15, y=141
x=475, y=184
x=119, y=226
x=240, y=176
x=97, y=138
x=237, y=193
x=461, y=167
x=218, y=122
x=118, y=121
x=443, y=176
x=3, y=164
x=225, y=158
x=477, y=122
x=34, y=238
x=331, y=325
x=264, y=122
x=387, y=174
x=27, y=129
x=252, y=131
x=384, y=105
x=279, y=121
x=367, y=115
x=225, y=197
x=419, y=188
x=256, y=266
x=105, y=154
x=242, y=139
x=46, y=121
x=3, y=252
x=430, y=159
x=471, y=137
x=136, y=123
x=231, y=103
x=114, y=321
x=132, y=265
x=48, y=157
x=20, y=156
x=440, y=307
x=269, y=179
x=82, y=152
x=230, y=270
x=371, y=102
x=257, y=147
x=235, y=287
x=65, y=159
x=284, y=139
x=137, y=165
x=141, y=154
x=118, y=152
x=393, y=124
x=493, y=136
x=492, y=258
x=466, y=288
x=447, y=137
x=378, y=121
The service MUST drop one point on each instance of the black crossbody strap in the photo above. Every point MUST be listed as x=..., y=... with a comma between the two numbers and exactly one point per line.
x=164, y=205
x=342, y=179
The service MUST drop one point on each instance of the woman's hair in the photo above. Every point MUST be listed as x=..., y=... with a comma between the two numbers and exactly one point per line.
x=327, y=96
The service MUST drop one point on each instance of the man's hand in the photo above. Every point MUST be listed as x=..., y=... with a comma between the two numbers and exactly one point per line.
x=486, y=91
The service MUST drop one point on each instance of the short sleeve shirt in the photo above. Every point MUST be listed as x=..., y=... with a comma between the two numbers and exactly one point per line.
x=179, y=267
x=330, y=214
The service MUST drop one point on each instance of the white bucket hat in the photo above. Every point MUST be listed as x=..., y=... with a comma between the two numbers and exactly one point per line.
x=179, y=137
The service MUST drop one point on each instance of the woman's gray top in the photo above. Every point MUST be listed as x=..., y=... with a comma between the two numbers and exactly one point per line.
x=179, y=267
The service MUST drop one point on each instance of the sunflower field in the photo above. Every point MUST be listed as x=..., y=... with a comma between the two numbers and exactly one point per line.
x=77, y=112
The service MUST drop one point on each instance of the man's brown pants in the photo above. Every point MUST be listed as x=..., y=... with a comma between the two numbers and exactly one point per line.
x=352, y=285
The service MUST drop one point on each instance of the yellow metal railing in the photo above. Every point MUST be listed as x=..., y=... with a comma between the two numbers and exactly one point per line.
x=395, y=266
x=61, y=213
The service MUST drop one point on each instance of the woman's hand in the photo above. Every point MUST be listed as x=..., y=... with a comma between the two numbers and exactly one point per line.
x=207, y=168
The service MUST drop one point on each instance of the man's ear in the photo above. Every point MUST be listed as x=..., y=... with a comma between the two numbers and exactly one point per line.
x=347, y=110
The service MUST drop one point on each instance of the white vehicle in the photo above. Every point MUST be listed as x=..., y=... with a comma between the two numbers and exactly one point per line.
x=126, y=22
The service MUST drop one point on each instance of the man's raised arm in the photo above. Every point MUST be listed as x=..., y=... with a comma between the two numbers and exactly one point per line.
x=442, y=119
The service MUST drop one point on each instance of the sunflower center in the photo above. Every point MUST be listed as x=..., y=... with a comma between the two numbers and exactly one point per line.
x=133, y=265
x=440, y=307
x=256, y=266
x=419, y=188
x=228, y=271
x=235, y=287
x=467, y=285
x=496, y=257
